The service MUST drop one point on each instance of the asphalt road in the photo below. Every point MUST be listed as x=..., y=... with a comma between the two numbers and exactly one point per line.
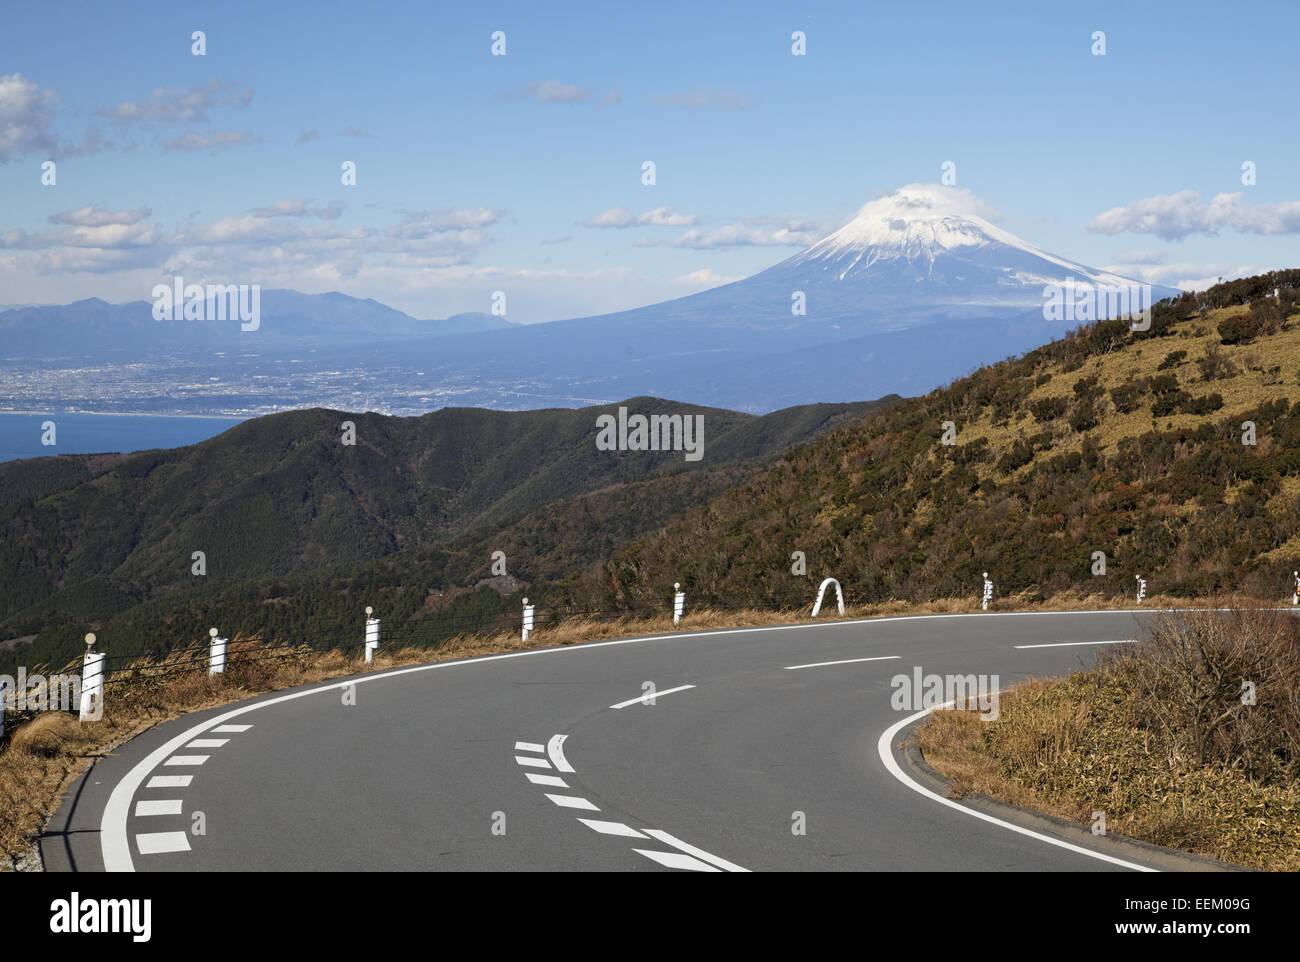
x=429, y=768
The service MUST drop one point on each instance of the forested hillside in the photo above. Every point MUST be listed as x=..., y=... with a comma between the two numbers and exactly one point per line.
x=295, y=526
x=1132, y=444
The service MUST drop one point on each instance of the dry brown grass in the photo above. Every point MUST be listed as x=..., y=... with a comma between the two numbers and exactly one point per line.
x=45, y=754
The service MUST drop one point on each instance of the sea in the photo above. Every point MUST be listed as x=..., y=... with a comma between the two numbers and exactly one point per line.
x=21, y=433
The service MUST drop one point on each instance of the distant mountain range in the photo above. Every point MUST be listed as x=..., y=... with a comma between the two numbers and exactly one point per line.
x=288, y=320
x=914, y=291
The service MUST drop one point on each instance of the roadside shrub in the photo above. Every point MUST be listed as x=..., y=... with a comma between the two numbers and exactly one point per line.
x=1192, y=679
x=1215, y=365
x=1172, y=359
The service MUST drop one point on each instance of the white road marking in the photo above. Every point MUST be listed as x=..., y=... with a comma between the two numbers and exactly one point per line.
x=170, y=806
x=1075, y=644
x=207, y=743
x=885, y=748
x=573, y=801
x=848, y=661
x=170, y=781
x=231, y=729
x=676, y=860
x=699, y=853
x=529, y=747
x=650, y=696
x=612, y=828
x=532, y=762
x=555, y=780
x=157, y=843
x=555, y=749
x=184, y=760
x=112, y=823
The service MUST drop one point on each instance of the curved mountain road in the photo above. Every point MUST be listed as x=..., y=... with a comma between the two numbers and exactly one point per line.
x=553, y=760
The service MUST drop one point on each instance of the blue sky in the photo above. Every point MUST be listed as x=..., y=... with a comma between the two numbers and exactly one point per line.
x=478, y=173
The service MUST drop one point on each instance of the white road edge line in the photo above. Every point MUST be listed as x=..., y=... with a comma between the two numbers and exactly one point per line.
x=650, y=696
x=555, y=749
x=529, y=762
x=885, y=746
x=1076, y=644
x=116, y=851
x=529, y=747
x=699, y=853
x=847, y=661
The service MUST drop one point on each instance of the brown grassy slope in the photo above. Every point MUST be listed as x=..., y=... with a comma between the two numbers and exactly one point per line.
x=1106, y=441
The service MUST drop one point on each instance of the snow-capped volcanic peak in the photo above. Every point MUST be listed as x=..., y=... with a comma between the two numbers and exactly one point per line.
x=915, y=220
x=921, y=223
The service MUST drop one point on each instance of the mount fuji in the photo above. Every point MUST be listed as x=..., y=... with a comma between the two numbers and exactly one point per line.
x=917, y=289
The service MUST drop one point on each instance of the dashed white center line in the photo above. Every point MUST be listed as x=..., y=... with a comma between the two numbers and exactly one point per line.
x=158, y=843
x=612, y=828
x=170, y=781
x=532, y=762
x=554, y=780
x=1075, y=644
x=676, y=860
x=184, y=760
x=573, y=801
x=170, y=806
x=699, y=853
x=847, y=661
x=650, y=696
x=207, y=743
x=230, y=729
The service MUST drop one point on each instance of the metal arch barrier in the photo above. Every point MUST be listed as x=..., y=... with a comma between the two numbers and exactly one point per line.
x=821, y=594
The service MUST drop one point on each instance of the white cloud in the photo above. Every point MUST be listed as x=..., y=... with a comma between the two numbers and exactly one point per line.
x=26, y=114
x=179, y=105
x=219, y=140
x=742, y=235
x=619, y=218
x=705, y=278
x=1180, y=215
x=554, y=92
x=301, y=208
x=95, y=217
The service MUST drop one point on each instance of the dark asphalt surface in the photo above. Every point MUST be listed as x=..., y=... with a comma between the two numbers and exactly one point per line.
x=416, y=774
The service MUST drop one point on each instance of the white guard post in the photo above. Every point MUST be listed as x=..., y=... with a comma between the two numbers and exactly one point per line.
x=679, y=602
x=216, y=653
x=372, y=635
x=1142, y=589
x=528, y=618
x=4, y=699
x=1295, y=591
x=988, y=593
x=92, y=683
x=821, y=593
